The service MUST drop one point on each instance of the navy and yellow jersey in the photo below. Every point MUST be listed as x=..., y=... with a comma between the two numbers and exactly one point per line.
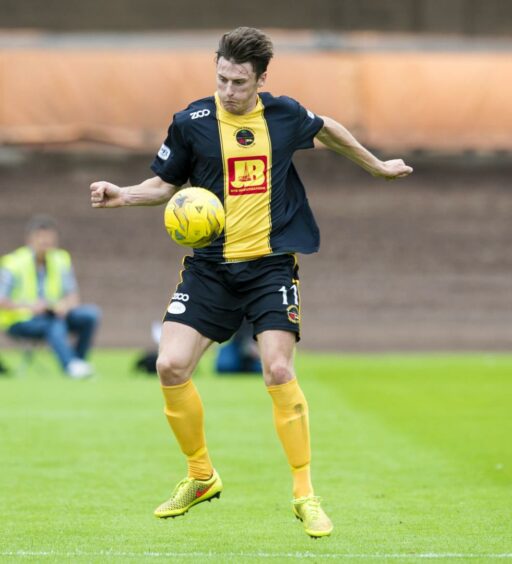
x=246, y=160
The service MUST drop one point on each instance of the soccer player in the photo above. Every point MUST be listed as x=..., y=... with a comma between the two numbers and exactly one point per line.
x=239, y=144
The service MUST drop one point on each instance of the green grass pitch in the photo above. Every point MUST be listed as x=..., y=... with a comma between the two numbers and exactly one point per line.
x=412, y=456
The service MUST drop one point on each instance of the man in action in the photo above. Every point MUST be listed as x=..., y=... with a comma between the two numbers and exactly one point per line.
x=39, y=298
x=239, y=144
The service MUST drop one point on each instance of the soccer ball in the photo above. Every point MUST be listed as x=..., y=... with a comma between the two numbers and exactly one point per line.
x=194, y=217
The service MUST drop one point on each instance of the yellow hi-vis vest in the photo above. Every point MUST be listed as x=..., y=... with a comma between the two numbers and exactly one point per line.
x=22, y=265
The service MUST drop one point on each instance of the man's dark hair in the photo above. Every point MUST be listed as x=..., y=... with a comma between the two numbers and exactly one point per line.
x=40, y=223
x=246, y=45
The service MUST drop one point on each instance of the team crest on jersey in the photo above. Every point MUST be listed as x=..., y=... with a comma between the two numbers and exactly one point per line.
x=244, y=137
x=247, y=175
x=293, y=313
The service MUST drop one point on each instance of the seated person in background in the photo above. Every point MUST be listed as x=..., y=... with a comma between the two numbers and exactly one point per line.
x=39, y=298
x=239, y=354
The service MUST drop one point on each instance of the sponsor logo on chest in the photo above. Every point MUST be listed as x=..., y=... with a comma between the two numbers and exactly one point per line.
x=247, y=175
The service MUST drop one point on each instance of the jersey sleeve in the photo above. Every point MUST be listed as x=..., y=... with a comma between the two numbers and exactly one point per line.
x=308, y=125
x=173, y=161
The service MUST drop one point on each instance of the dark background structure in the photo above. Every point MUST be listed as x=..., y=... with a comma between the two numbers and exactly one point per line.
x=470, y=17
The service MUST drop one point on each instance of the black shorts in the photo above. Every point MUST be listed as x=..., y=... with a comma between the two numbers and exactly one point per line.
x=214, y=298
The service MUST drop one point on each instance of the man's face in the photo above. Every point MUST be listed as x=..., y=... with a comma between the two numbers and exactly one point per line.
x=42, y=240
x=237, y=86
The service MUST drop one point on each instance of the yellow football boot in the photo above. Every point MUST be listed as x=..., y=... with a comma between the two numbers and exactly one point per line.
x=313, y=517
x=187, y=493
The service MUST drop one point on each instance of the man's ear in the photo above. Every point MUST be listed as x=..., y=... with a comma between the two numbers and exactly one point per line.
x=261, y=79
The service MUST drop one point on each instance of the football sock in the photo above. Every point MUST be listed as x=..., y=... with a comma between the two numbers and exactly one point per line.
x=184, y=411
x=291, y=419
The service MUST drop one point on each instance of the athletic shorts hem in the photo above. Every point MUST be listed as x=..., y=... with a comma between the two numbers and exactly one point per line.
x=199, y=330
x=277, y=327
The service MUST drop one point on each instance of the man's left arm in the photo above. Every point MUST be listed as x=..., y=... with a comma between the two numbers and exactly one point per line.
x=337, y=138
x=70, y=294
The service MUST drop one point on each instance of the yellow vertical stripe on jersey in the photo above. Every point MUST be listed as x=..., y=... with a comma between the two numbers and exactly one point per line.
x=247, y=183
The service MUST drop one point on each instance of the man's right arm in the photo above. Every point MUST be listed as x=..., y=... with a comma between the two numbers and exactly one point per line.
x=152, y=192
x=7, y=282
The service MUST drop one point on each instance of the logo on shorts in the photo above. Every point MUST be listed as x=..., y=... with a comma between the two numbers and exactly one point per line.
x=180, y=297
x=244, y=137
x=247, y=175
x=177, y=308
x=293, y=313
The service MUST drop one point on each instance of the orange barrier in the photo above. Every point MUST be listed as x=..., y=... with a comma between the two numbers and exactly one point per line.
x=443, y=101
x=393, y=100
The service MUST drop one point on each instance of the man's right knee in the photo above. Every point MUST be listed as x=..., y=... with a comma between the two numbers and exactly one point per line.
x=173, y=369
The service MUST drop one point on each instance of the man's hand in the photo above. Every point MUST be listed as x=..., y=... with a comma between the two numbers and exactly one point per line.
x=106, y=195
x=39, y=307
x=152, y=192
x=66, y=304
x=395, y=168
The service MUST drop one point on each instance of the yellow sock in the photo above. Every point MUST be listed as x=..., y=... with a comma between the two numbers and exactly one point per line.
x=184, y=411
x=291, y=419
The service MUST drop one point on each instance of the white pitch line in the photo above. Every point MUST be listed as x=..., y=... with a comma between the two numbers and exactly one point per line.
x=295, y=555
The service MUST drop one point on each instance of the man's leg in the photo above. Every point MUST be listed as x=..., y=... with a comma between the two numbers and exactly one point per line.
x=181, y=348
x=291, y=418
x=291, y=415
x=83, y=321
x=52, y=329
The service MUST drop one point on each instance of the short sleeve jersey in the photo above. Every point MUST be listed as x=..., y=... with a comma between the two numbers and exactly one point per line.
x=246, y=160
